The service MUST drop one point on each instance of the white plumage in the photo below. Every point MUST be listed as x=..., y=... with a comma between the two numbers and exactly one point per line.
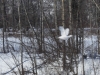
x=64, y=33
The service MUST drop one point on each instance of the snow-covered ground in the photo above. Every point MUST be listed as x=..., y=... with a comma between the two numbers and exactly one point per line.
x=91, y=67
x=11, y=62
x=8, y=65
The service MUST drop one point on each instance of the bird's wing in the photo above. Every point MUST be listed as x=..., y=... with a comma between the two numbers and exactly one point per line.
x=61, y=28
x=66, y=31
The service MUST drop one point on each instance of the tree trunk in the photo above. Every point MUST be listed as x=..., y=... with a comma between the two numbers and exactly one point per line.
x=4, y=22
x=64, y=48
x=22, y=68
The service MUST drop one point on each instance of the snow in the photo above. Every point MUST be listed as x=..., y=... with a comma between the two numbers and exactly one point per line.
x=91, y=66
x=7, y=62
x=89, y=40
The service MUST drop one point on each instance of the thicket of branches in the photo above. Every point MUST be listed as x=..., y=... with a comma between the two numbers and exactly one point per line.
x=32, y=11
x=46, y=15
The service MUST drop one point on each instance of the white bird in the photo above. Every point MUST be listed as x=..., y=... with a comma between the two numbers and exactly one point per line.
x=64, y=33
